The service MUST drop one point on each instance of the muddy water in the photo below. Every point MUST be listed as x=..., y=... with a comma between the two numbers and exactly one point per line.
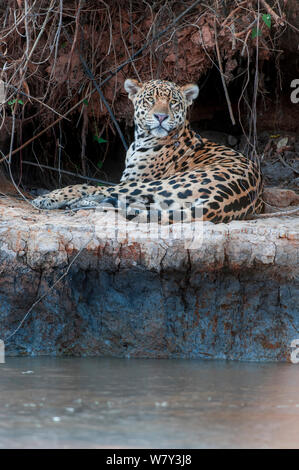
x=119, y=403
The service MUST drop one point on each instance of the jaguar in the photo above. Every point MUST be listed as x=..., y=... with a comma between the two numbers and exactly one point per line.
x=170, y=168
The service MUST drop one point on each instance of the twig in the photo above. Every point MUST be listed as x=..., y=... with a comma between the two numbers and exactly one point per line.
x=233, y=30
x=271, y=12
x=223, y=79
x=249, y=27
x=39, y=34
x=253, y=124
x=87, y=178
x=245, y=43
x=110, y=75
x=36, y=99
x=277, y=214
x=157, y=36
x=287, y=165
x=83, y=139
x=92, y=78
x=75, y=37
x=47, y=128
x=47, y=293
x=232, y=13
x=123, y=39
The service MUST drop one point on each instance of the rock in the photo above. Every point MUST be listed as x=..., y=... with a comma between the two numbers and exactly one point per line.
x=276, y=173
x=78, y=284
x=219, y=137
x=295, y=166
x=39, y=192
x=214, y=136
x=264, y=136
x=232, y=140
x=243, y=144
x=289, y=155
x=280, y=197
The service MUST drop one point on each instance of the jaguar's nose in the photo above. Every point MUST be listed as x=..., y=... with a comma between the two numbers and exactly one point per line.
x=161, y=117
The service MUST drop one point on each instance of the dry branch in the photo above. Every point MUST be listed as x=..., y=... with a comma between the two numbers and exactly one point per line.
x=271, y=12
x=223, y=79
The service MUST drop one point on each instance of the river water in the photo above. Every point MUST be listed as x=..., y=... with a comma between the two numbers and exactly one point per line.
x=123, y=403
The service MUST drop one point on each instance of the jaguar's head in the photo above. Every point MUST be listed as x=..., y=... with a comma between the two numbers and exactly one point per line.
x=160, y=106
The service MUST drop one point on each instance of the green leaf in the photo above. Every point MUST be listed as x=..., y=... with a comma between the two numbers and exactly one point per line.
x=64, y=44
x=85, y=102
x=267, y=19
x=100, y=164
x=12, y=102
x=256, y=32
x=98, y=139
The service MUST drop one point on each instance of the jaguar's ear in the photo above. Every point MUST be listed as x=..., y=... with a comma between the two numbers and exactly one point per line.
x=190, y=92
x=132, y=87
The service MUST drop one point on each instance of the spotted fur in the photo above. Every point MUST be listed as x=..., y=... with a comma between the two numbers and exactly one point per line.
x=170, y=168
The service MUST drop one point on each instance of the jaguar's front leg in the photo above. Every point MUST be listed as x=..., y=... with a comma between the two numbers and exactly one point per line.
x=71, y=196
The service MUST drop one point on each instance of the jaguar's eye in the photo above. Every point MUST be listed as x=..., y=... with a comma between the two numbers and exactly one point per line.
x=173, y=103
x=151, y=100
